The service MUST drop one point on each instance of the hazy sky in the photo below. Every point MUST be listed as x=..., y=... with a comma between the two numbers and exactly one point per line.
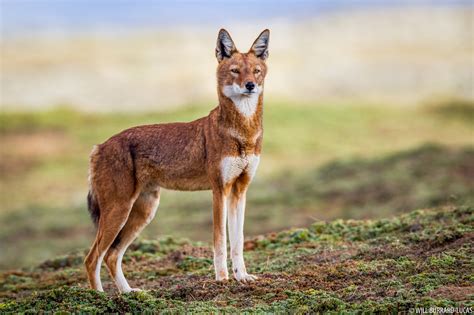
x=29, y=17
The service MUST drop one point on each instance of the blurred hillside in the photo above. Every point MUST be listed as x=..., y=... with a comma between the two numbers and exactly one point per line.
x=399, y=55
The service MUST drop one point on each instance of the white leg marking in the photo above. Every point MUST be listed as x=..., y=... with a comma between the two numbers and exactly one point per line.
x=231, y=168
x=120, y=279
x=246, y=104
x=220, y=251
x=97, y=273
x=236, y=235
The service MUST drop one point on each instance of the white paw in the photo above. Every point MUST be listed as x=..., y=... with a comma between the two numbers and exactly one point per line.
x=222, y=275
x=245, y=277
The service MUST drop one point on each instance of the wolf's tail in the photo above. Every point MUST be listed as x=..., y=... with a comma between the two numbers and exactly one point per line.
x=92, y=203
x=93, y=207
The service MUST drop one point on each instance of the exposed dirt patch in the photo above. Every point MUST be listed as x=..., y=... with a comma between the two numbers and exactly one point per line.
x=420, y=251
x=188, y=250
x=454, y=293
x=330, y=256
x=436, y=247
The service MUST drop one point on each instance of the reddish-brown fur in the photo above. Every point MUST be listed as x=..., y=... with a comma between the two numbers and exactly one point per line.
x=127, y=171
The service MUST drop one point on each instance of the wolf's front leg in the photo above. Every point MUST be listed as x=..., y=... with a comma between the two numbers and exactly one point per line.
x=236, y=208
x=220, y=238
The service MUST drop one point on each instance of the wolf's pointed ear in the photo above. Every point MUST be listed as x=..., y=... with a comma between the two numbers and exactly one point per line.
x=225, y=45
x=260, y=45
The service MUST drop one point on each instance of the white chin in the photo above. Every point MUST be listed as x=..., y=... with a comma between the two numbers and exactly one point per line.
x=235, y=91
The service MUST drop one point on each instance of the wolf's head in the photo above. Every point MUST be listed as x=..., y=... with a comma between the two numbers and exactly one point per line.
x=241, y=75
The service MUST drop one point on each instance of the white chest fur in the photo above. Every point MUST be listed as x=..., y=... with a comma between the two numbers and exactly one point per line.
x=233, y=166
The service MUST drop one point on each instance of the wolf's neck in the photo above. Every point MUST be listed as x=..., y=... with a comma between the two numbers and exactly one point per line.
x=246, y=105
x=241, y=111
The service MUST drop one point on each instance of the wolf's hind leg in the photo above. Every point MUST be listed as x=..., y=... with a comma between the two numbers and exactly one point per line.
x=142, y=213
x=109, y=226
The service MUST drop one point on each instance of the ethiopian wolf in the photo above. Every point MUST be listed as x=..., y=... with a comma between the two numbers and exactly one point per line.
x=219, y=152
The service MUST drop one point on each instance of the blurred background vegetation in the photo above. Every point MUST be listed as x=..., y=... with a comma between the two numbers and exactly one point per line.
x=369, y=108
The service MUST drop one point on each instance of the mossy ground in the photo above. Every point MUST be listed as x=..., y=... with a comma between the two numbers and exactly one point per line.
x=420, y=259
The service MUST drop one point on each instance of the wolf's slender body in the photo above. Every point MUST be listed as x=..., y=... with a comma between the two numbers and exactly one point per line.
x=220, y=152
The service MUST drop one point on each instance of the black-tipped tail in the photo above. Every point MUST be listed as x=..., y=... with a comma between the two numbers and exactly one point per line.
x=93, y=207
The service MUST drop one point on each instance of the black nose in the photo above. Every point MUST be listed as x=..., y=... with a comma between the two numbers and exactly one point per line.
x=250, y=86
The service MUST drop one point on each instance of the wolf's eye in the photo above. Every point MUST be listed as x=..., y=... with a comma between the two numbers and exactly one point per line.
x=234, y=70
x=257, y=71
